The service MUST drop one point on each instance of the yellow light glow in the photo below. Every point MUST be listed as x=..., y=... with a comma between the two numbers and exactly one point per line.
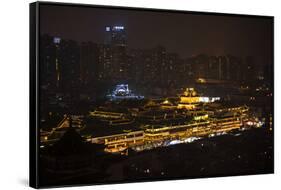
x=202, y=117
x=201, y=80
x=166, y=102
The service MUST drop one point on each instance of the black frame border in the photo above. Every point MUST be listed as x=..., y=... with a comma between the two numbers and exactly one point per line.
x=34, y=91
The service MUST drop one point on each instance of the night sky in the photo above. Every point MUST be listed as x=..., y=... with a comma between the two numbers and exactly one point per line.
x=186, y=34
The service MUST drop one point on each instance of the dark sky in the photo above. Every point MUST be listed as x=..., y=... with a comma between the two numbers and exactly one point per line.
x=186, y=34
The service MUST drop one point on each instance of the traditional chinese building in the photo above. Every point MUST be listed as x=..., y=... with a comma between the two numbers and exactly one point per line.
x=189, y=99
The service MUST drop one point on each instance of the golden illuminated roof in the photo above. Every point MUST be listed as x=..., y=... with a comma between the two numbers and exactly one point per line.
x=190, y=92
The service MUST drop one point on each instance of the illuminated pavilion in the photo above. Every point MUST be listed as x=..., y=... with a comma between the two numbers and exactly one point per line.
x=189, y=99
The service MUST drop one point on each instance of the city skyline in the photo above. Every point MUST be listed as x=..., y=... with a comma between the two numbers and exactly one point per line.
x=212, y=34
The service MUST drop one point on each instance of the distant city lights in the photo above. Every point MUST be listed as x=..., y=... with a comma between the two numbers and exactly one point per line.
x=201, y=80
x=118, y=27
x=107, y=28
x=57, y=40
x=122, y=91
x=208, y=99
